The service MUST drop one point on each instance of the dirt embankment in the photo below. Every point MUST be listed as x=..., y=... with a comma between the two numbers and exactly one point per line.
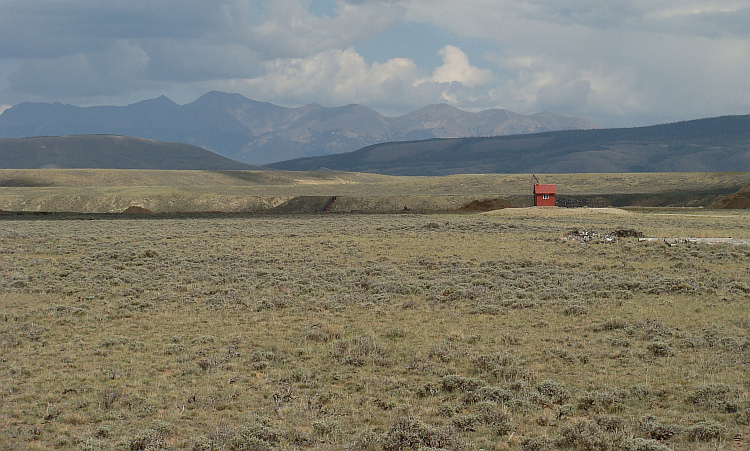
x=136, y=210
x=486, y=205
x=740, y=200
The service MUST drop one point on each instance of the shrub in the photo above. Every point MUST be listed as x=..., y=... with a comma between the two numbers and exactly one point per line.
x=705, y=431
x=429, y=389
x=575, y=310
x=537, y=444
x=710, y=395
x=454, y=382
x=466, y=422
x=410, y=433
x=585, y=435
x=146, y=439
x=644, y=444
x=599, y=401
x=656, y=430
x=324, y=428
x=555, y=391
x=496, y=418
x=743, y=418
x=487, y=393
x=611, y=324
x=366, y=440
x=659, y=348
x=502, y=366
x=612, y=423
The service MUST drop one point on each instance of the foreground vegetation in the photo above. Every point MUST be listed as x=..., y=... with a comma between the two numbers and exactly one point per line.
x=375, y=332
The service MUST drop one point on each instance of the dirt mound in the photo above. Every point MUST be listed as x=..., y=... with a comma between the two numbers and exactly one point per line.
x=135, y=210
x=486, y=205
x=740, y=199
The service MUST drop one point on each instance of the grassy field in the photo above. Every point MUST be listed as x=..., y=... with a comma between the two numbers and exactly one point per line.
x=113, y=191
x=376, y=332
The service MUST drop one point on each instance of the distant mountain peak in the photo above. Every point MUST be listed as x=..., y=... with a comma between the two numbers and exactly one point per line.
x=259, y=132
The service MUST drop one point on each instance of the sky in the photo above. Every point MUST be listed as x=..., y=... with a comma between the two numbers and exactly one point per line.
x=619, y=63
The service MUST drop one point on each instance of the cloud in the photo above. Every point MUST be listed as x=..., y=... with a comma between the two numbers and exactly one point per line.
x=288, y=29
x=118, y=69
x=332, y=77
x=456, y=68
x=628, y=62
x=339, y=77
x=52, y=28
x=641, y=61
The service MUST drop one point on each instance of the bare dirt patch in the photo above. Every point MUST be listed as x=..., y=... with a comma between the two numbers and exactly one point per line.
x=134, y=209
x=486, y=205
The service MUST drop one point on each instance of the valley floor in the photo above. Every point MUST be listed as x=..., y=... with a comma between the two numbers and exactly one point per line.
x=366, y=332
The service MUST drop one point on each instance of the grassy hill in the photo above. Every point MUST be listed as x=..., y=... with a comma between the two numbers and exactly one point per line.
x=715, y=144
x=113, y=191
x=107, y=152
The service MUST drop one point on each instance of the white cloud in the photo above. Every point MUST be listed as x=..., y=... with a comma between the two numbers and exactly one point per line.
x=456, y=68
x=290, y=30
x=332, y=77
x=343, y=76
x=628, y=62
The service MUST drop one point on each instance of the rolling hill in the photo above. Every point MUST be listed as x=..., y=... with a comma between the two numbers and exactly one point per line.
x=259, y=133
x=704, y=145
x=108, y=152
x=740, y=199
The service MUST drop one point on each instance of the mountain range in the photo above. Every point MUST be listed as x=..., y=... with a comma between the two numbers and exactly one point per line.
x=259, y=133
x=703, y=145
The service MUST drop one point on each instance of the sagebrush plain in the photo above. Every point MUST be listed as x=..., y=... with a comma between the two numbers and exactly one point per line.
x=376, y=332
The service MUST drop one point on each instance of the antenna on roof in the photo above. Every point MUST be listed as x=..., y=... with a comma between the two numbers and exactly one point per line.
x=535, y=179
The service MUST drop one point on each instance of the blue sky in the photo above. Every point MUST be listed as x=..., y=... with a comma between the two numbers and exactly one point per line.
x=616, y=62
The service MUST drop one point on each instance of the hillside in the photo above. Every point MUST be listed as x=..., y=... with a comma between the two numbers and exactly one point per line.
x=108, y=152
x=259, y=133
x=115, y=190
x=740, y=199
x=715, y=144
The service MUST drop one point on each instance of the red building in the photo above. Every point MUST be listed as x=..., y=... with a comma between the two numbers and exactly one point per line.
x=544, y=195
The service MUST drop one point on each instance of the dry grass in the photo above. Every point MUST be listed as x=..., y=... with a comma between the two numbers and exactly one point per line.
x=112, y=191
x=368, y=332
